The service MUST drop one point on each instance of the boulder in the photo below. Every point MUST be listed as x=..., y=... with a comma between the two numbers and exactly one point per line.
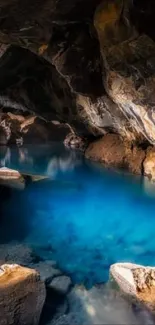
x=47, y=270
x=62, y=284
x=110, y=150
x=136, y=281
x=113, y=151
x=22, y=295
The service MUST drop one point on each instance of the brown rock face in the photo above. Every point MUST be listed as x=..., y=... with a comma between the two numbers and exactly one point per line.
x=113, y=151
x=109, y=150
x=22, y=295
x=149, y=164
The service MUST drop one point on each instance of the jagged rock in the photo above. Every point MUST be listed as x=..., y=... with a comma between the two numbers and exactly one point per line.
x=149, y=164
x=136, y=281
x=22, y=295
x=61, y=284
x=70, y=90
x=128, y=65
x=115, y=152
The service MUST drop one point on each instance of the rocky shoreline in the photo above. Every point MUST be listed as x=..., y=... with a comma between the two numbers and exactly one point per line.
x=46, y=296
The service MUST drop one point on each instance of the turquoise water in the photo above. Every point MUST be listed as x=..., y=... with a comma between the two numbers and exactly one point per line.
x=84, y=216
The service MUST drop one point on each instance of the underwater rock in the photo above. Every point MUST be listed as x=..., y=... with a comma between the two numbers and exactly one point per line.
x=149, y=164
x=61, y=284
x=47, y=270
x=22, y=295
x=136, y=281
x=16, y=253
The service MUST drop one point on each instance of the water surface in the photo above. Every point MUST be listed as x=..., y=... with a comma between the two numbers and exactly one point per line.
x=84, y=216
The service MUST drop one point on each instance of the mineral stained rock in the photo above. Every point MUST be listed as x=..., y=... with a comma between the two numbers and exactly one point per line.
x=22, y=295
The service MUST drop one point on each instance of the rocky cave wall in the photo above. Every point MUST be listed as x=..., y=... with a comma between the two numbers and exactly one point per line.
x=61, y=61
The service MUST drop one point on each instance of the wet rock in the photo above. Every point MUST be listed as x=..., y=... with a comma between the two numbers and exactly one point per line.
x=61, y=284
x=47, y=270
x=149, y=164
x=7, y=173
x=22, y=295
x=136, y=281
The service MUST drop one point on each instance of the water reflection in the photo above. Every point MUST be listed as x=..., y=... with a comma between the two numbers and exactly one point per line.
x=45, y=160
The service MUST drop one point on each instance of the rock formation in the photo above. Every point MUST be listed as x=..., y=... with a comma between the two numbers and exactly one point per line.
x=136, y=281
x=22, y=295
x=87, y=64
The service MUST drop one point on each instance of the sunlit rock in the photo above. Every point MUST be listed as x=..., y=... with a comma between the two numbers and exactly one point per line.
x=136, y=281
x=22, y=295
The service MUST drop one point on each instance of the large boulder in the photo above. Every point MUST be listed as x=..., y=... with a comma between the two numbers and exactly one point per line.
x=22, y=295
x=113, y=151
x=135, y=281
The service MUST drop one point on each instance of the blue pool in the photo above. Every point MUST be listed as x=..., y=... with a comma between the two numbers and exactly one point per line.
x=84, y=216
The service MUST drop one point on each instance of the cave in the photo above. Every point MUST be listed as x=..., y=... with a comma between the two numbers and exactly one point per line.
x=77, y=162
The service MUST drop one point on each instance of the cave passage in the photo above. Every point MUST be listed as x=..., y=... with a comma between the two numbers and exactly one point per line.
x=83, y=216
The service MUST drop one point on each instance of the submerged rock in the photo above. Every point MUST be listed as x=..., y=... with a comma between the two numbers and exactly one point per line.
x=16, y=253
x=136, y=281
x=61, y=284
x=47, y=270
x=22, y=295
